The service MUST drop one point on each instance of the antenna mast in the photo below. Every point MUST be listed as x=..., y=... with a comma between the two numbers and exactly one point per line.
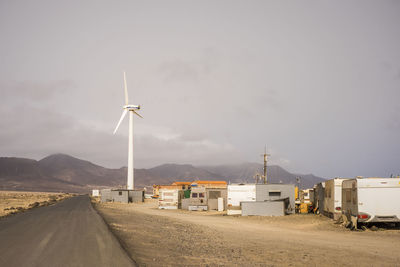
x=265, y=165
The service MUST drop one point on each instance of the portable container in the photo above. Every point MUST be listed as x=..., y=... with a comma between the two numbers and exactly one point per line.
x=238, y=193
x=272, y=192
x=372, y=199
x=170, y=198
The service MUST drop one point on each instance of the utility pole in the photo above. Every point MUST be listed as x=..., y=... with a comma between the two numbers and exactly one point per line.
x=298, y=180
x=257, y=177
x=265, y=165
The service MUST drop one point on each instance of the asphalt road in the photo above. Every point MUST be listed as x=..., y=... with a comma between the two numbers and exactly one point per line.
x=70, y=233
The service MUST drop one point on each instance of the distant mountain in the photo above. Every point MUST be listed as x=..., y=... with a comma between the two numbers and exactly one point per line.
x=245, y=172
x=168, y=173
x=70, y=169
x=27, y=174
x=62, y=172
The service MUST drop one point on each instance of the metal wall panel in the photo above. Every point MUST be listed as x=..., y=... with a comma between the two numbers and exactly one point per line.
x=136, y=196
x=264, y=208
x=105, y=195
x=119, y=196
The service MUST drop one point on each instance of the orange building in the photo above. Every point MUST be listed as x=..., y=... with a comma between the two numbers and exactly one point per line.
x=209, y=184
x=185, y=185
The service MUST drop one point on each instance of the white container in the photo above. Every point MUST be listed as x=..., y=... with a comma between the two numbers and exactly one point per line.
x=372, y=199
x=169, y=198
x=95, y=192
x=238, y=193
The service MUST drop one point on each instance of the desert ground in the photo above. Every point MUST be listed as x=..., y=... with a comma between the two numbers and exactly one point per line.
x=155, y=237
x=17, y=201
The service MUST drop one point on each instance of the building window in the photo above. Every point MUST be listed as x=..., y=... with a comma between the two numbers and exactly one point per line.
x=120, y=193
x=194, y=195
x=274, y=194
x=201, y=194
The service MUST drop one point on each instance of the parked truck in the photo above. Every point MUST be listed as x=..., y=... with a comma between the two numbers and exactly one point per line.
x=367, y=200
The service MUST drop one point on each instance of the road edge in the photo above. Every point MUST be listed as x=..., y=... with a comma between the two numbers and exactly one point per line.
x=120, y=241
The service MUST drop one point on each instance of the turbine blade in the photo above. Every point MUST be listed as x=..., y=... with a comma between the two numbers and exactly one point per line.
x=137, y=114
x=120, y=120
x=126, y=90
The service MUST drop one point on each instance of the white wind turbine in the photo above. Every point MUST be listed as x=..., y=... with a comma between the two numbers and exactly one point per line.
x=132, y=110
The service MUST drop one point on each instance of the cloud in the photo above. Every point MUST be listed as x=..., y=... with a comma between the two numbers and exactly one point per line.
x=32, y=130
x=33, y=92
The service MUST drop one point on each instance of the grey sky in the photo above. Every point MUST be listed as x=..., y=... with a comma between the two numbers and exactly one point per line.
x=318, y=81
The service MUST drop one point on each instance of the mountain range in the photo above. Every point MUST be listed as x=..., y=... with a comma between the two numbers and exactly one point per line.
x=60, y=172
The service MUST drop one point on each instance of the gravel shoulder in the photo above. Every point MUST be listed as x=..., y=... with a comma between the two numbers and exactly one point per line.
x=180, y=238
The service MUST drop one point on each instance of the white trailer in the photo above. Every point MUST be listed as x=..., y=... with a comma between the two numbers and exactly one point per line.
x=170, y=198
x=238, y=193
x=333, y=198
x=372, y=199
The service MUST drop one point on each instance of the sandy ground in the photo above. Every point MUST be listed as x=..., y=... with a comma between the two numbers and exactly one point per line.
x=16, y=201
x=180, y=238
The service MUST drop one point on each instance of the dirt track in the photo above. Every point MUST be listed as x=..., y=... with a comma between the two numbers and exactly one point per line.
x=165, y=237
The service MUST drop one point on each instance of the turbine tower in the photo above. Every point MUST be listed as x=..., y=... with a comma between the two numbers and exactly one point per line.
x=132, y=111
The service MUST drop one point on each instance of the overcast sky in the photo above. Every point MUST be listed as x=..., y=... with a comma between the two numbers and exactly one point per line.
x=317, y=81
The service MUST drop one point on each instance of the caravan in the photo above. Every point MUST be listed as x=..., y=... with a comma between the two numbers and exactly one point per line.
x=372, y=199
x=333, y=198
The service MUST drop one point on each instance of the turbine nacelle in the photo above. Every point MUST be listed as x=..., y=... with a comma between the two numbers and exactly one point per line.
x=127, y=107
x=131, y=107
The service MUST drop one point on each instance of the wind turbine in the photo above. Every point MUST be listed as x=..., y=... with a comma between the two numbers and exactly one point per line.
x=132, y=111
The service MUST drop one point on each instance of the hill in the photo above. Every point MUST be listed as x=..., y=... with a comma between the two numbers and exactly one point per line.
x=62, y=172
x=244, y=173
x=27, y=174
